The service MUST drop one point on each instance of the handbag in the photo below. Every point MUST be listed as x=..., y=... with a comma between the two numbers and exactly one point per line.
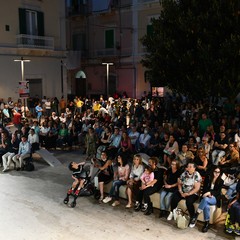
x=182, y=219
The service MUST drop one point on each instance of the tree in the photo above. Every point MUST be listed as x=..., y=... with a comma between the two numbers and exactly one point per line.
x=194, y=48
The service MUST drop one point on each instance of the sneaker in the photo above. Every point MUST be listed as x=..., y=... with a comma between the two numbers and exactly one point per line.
x=107, y=199
x=193, y=221
x=144, y=207
x=230, y=229
x=116, y=203
x=170, y=216
x=137, y=206
x=77, y=192
x=237, y=231
x=5, y=169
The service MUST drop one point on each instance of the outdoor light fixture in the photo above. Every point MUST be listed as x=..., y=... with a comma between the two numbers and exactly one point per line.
x=107, y=64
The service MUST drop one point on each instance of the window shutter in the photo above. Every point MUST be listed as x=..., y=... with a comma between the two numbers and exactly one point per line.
x=40, y=23
x=109, y=39
x=22, y=21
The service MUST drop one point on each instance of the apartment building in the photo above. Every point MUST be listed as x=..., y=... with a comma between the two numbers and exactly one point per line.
x=33, y=33
x=104, y=35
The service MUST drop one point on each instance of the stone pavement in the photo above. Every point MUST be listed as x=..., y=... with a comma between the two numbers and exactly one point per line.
x=32, y=209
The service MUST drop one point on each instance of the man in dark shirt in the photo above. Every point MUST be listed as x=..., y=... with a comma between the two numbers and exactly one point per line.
x=150, y=188
x=220, y=147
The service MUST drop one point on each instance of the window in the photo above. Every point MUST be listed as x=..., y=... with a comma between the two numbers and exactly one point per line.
x=79, y=42
x=31, y=22
x=109, y=38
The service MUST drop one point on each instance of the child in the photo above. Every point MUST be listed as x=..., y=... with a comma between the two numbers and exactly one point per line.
x=147, y=176
x=79, y=176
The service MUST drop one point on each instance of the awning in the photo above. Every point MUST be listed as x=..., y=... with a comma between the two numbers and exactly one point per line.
x=100, y=5
x=80, y=74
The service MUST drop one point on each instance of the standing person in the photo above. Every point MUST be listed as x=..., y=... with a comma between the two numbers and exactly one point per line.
x=188, y=188
x=39, y=111
x=90, y=143
x=150, y=188
x=134, y=182
x=48, y=106
x=55, y=103
x=120, y=178
x=105, y=174
x=211, y=196
x=170, y=186
x=23, y=152
x=78, y=104
x=17, y=119
x=62, y=104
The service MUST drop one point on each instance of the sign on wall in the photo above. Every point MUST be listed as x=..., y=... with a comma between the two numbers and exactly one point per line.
x=24, y=89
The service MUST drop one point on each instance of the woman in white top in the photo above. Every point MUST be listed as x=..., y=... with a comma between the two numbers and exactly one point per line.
x=134, y=182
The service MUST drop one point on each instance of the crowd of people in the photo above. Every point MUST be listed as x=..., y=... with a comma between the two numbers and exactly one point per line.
x=194, y=142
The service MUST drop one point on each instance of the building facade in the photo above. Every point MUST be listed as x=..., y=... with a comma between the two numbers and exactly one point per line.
x=105, y=38
x=33, y=30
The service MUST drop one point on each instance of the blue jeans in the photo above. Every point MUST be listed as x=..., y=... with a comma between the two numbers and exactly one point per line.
x=231, y=192
x=114, y=191
x=165, y=200
x=205, y=204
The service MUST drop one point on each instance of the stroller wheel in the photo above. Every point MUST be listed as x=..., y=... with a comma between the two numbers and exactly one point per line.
x=73, y=204
x=65, y=201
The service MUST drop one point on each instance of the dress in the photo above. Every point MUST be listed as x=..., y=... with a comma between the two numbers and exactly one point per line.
x=105, y=175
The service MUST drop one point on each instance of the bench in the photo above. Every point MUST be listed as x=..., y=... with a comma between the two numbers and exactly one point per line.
x=215, y=212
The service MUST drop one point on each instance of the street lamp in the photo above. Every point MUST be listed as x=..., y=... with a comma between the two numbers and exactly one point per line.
x=107, y=64
x=22, y=78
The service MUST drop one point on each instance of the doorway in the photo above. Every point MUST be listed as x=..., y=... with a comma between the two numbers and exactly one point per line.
x=35, y=87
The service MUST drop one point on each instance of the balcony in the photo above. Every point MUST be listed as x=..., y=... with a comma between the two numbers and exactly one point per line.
x=37, y=42
x=112, y=52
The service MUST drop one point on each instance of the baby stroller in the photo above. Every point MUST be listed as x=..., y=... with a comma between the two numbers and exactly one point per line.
x=87, y=189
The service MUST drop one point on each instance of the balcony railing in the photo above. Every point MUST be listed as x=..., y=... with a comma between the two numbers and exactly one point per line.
x=112, y=52
x=32, y=41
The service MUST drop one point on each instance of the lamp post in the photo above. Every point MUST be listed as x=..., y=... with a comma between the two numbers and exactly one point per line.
x=22, y=78
x=107, y=64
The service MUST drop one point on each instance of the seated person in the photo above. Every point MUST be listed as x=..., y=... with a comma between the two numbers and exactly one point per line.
x=170, y=149
x=114, y=146
x=13, y=150
x=120, y=178
x=143, y=140
x=79, y=176
x=33, y=139
x=150, y=188
x=220, y=147
x=24, y=152
x=170, y=186
x=134, y=182
x=233, y=223
x=231, y=159
x=188, y=188
x=201, y=162
x=153, y=148
x=185, y=155
x=211, y=195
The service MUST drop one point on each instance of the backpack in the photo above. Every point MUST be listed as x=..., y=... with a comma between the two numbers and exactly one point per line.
x=29, y=166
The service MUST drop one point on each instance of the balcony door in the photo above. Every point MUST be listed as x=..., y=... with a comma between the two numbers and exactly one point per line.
x=31, y=18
